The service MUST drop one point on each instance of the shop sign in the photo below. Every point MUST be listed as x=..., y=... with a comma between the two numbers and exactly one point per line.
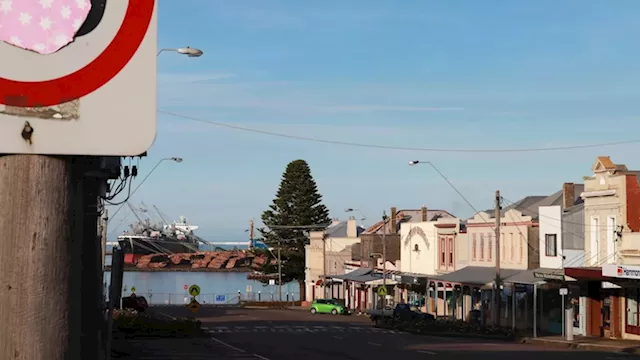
x=621, y=271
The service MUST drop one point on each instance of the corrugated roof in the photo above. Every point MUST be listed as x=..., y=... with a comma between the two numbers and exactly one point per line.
x=474, y=275
x=408, y=216
x=340, y=230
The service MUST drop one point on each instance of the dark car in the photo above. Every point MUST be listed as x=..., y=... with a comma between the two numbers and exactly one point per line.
x=138, y=303
x=404, y=312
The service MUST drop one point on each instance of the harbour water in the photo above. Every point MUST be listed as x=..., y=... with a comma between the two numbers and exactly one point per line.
x=169, y=287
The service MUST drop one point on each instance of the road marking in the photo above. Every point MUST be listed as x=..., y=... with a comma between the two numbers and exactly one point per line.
x=260, y=357
x=374, y=344
x=227, y=345
x=427, y=352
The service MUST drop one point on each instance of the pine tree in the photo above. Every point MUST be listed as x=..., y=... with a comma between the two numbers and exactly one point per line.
x=298, y=207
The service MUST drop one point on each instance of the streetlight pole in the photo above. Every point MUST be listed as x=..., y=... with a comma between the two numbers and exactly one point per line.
x=174, y=159
x=362, y=219
x=279, y=273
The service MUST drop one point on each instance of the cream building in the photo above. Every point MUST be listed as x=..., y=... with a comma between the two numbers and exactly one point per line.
x=327, y=254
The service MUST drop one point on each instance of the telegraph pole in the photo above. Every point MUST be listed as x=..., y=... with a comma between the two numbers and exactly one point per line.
x=39, y=201
x=279, y=273
x=384, y=257
x=324, y=263
x=497, y=292
x=105, y=221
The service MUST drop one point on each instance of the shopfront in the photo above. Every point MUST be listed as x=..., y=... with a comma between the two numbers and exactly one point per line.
x=625, y=279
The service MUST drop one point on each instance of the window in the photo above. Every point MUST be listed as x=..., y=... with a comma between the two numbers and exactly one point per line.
x=474, y=247
x=550, y=245
x=502, y=241
x=481, y=246
x=611, y=240
x=521, y=245
x=632, y=320
x=450, y=251
x=442, y=252
x=512, y=249
x=490, y=247
x=594, y=257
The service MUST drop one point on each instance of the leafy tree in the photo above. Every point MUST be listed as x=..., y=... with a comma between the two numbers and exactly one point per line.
x=296, y=210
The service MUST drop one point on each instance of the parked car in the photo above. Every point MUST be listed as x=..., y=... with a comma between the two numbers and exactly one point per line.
x=138, y=303
x=401, y=311
x=328, y=306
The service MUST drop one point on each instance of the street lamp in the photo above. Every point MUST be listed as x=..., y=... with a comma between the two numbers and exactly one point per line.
x=189, y=51
x=362, y=219
x=177, y=160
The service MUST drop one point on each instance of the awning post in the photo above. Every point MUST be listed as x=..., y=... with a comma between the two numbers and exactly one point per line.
x=535, y=310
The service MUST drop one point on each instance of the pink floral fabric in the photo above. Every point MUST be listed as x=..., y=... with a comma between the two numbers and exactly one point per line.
x=43, y=26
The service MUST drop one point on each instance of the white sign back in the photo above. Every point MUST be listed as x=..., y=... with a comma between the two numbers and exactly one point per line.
x=96, y=96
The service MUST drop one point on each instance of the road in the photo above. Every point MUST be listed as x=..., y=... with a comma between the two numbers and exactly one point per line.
x=297, y=335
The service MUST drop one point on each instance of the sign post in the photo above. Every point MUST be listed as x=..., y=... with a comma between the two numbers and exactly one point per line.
x=87, y=99
x=194, y=305
x=563, y=292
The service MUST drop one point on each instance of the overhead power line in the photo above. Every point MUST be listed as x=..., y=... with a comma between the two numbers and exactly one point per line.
x=391, y=147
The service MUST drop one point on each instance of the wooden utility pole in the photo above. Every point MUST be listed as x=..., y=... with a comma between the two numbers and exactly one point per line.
x=279, y=273
x=324, y=265
x=39, y=288
x=251, y=234
x=103, y=238
x=497, y=293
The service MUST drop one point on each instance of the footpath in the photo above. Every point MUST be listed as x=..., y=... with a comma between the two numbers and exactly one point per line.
x=586, y=343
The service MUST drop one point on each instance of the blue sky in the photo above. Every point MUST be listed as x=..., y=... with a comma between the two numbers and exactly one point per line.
x=429, y=74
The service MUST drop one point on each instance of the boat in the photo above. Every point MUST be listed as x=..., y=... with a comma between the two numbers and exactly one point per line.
x=147, y=238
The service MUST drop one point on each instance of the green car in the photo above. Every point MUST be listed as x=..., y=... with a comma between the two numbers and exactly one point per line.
x=327, y=306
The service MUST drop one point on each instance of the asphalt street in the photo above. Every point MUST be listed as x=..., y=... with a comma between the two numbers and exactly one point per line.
x=295, y=334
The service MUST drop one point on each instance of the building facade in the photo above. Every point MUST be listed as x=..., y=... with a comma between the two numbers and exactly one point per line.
x=610, y=278
x=327, y=254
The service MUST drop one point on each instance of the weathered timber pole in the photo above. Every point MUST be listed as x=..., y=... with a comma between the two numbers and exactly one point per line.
x=37, y=205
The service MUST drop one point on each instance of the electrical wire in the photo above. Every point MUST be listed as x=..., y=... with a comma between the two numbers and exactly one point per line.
x=391, y=147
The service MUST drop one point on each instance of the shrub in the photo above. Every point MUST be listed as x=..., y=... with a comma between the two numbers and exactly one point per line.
x=444, y=326
x=132, y=323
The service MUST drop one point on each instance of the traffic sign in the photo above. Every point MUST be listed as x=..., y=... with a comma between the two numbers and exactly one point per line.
x=100, y=86
x=194, y=290
x=186, y=286
x=194, y=306
x=133, y=289
x=382, y=290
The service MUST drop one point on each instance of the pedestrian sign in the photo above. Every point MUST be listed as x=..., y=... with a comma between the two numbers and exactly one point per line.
x=194, y=290
x=194, y=306
x=382, y=290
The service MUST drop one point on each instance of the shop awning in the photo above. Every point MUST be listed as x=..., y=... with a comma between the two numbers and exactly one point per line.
x=535, y=276
x=473, y=275
x=362, y=275
x=586, y=273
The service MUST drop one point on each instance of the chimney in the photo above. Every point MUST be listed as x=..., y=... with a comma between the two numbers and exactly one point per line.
x=568, y=195
x=352, y=228
x=423, y=214
x=394, y=220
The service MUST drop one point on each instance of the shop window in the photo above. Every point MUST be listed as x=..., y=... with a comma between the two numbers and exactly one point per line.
x=632, y=320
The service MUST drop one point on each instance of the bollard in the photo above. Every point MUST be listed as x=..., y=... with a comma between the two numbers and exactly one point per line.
x=568, y=324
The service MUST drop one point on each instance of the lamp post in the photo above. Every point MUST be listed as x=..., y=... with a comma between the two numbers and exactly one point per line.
x=362, y=219
x=174, y=159
x=189, y=51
